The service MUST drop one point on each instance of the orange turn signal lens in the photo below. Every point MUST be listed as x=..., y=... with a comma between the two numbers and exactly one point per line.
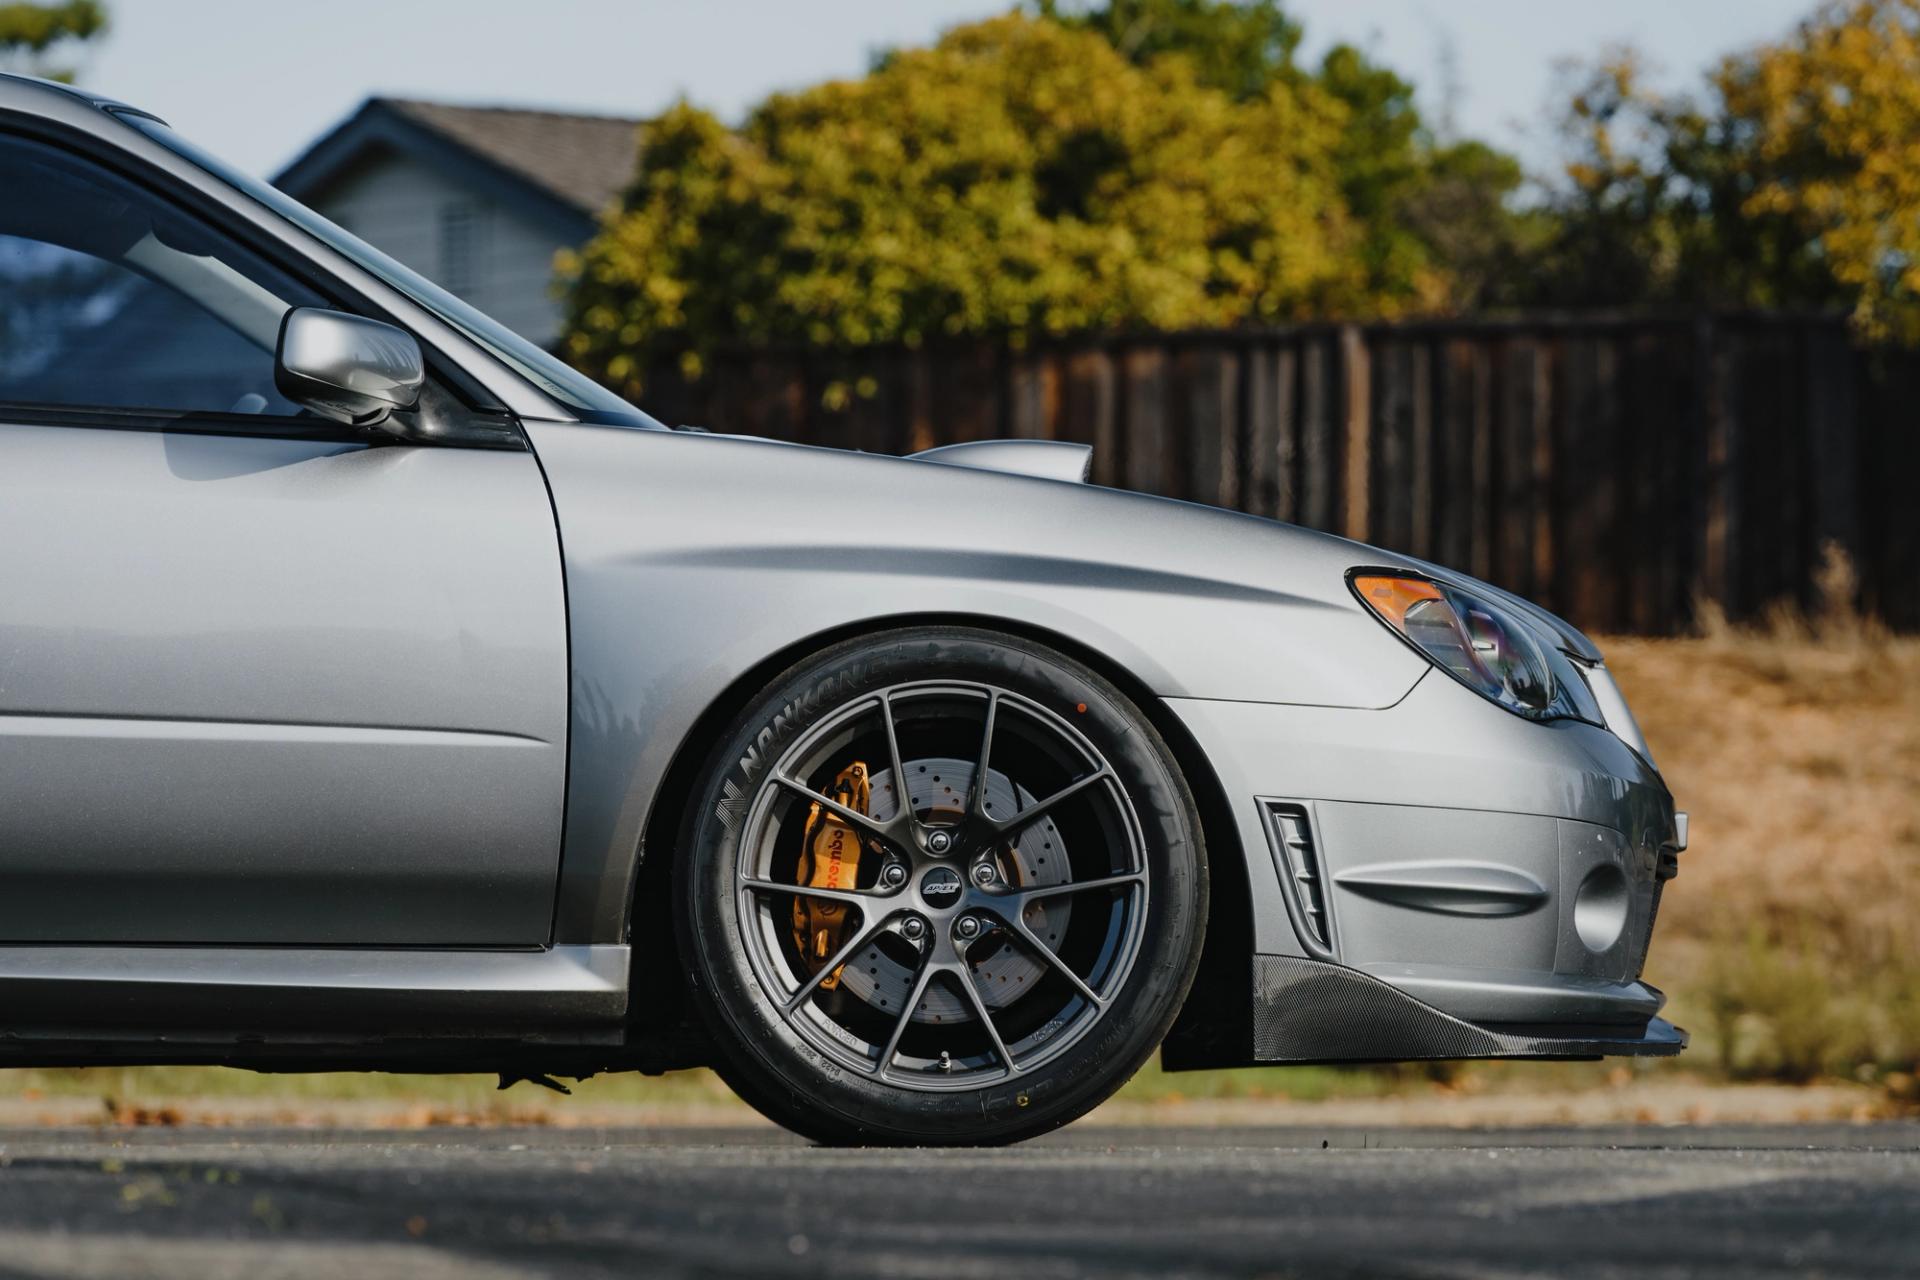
x=1392, y=597
x=1471, y=638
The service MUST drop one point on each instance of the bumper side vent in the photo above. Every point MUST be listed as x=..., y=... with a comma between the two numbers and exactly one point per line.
x=1292, y=832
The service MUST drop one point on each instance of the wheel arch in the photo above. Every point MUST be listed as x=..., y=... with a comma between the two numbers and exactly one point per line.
x=1220, y=992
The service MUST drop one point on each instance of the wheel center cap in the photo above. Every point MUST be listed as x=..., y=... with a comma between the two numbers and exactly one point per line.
x=941, y=887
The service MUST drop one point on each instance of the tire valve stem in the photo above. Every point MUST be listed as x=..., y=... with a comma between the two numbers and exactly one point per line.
x=946, y=1061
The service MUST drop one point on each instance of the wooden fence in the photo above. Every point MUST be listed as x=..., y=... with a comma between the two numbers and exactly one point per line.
x=1616, y=469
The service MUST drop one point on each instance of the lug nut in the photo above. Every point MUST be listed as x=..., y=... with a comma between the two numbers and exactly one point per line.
x=894, y=874
x=939, y=841
x=967, y=927
x=912, y=928
x=984, y=874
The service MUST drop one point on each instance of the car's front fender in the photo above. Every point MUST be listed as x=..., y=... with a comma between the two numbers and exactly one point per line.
x=692, y=559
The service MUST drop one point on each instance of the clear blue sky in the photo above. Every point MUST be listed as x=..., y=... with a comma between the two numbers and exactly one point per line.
x=256, y=80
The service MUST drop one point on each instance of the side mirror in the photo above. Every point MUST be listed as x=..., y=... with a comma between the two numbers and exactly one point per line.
x=347, y=368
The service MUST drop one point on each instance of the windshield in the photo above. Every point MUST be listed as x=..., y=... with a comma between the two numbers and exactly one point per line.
x=587, y=398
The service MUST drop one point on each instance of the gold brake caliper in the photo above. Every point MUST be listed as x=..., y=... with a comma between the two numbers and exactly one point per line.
x=829, y=859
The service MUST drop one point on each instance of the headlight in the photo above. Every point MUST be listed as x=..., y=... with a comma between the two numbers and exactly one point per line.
x=1497, y=654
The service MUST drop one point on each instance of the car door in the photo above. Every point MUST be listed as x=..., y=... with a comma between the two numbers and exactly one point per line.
x=262, y=680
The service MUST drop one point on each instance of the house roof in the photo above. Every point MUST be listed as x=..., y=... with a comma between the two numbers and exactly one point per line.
x=584, y=159
x=564, y=165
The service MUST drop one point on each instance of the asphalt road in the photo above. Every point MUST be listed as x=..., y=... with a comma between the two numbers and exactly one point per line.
x=1839, y=1201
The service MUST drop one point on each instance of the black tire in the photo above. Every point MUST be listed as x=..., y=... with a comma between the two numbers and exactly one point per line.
x=1141, y=924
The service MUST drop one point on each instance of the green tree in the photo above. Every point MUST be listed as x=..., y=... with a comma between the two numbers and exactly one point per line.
x=1463, y=216
x=1823, y=131
x=1238, y=48
x=1618, y=212
x=1383, y=159
x=1792, y=180
x=37, y=39
x=1017, y=178
x=1436, y=220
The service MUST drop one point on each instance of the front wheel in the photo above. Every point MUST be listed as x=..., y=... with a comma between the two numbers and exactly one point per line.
x=942, y=886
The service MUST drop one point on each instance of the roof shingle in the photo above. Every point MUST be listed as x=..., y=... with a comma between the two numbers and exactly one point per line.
x=585, y=160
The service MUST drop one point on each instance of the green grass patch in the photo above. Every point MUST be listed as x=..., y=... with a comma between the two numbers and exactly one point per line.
x=142, y=1085
x=139, y=1086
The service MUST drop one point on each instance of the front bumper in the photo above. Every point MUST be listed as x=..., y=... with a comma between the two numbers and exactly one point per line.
x=1443, y=879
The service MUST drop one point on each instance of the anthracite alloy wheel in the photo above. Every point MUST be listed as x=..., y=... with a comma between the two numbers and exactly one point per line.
x=942, y=886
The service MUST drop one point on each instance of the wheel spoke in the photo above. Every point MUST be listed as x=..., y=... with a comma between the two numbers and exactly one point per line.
x=920, y=981
x=862, y=899
x=853, y=817
x=1027, y=896
x=1015, y=922
x=1040, y=808
x=977, y=802
x=963, y=974
x=868, y=932
x=901, y=807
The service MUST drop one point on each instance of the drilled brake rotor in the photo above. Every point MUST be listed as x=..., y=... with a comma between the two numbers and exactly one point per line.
x=937, y=789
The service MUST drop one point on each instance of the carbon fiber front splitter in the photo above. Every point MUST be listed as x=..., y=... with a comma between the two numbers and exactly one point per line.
x=1311, y=1011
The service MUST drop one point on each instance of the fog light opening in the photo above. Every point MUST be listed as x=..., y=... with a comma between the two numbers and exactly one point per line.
x=1600, y=908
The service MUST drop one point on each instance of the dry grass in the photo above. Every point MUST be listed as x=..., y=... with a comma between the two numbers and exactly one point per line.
x=1792, y=937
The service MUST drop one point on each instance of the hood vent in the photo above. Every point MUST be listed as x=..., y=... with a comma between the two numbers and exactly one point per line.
x=1047, y=459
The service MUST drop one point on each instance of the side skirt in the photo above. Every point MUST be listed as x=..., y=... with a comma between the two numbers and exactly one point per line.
x=71, y=1004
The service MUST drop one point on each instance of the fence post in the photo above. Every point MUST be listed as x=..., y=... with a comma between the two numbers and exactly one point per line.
x=1715, y=452
x=1831, y=424
x=1146, y=389
x=1423, y=478
x=1319, y=428
x=920, y=432
x=1211, y=436
x=1356, y=380
x=1087, y=411
x=1026, y=396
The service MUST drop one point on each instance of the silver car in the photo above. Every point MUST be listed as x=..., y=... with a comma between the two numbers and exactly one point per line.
x=377, y=692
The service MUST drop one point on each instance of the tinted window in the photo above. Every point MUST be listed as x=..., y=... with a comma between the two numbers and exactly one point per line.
x=111, y=298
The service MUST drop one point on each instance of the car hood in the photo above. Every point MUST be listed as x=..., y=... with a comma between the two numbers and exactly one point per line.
x=1059, y=460
x=1032, y=496
x=1015, y=465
